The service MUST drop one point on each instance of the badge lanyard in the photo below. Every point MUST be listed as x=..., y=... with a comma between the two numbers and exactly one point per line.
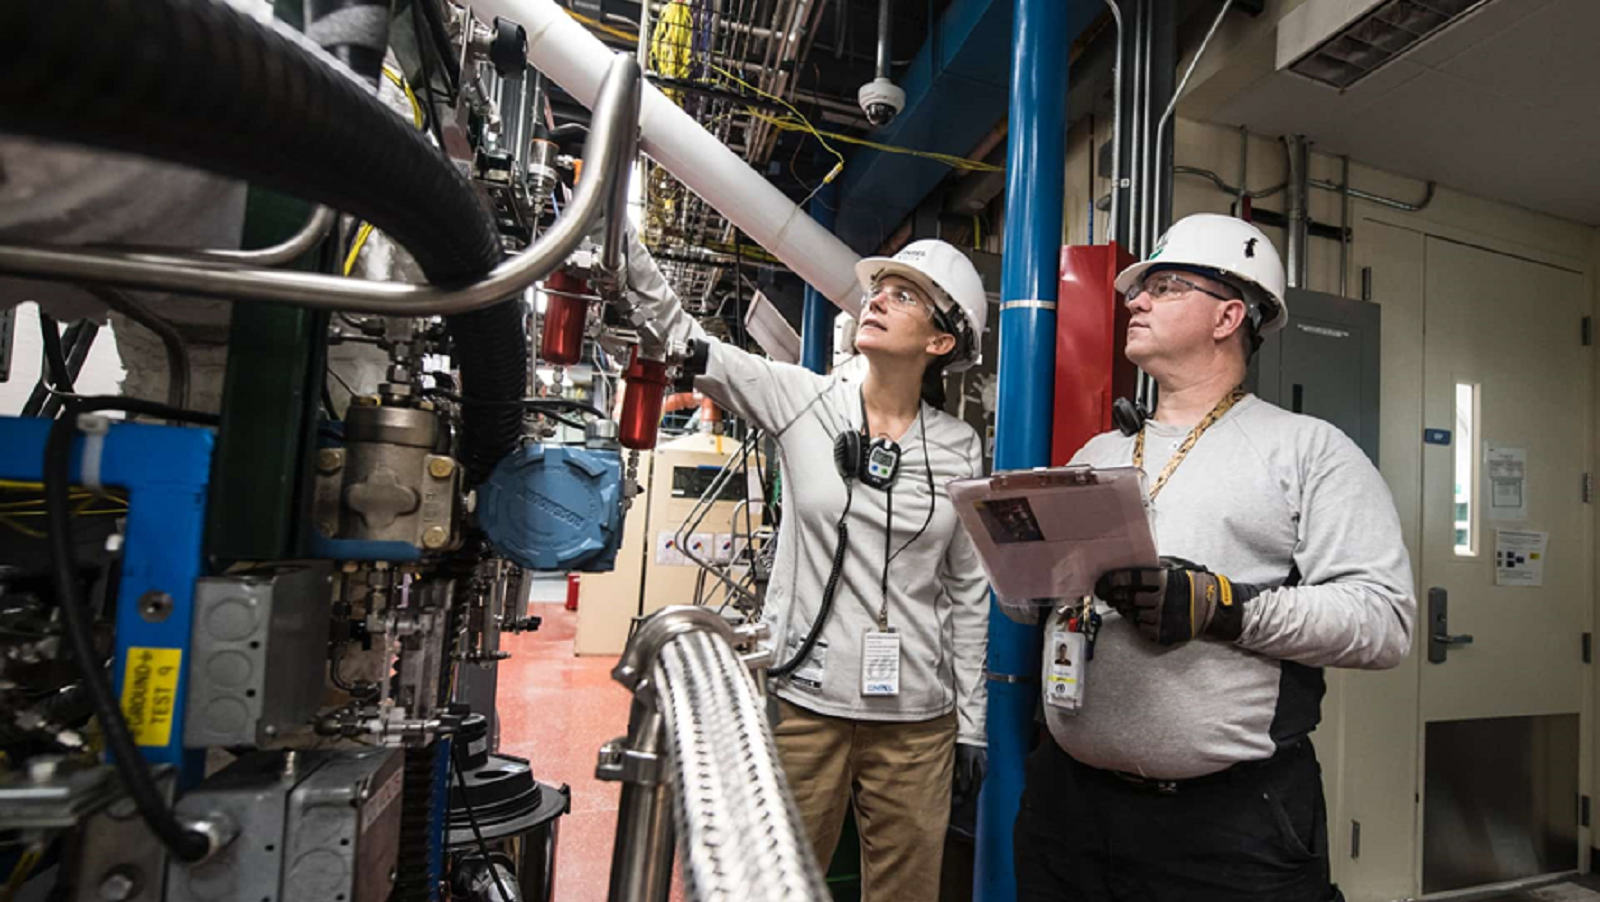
x=1210, y=419
x=880, y=647
x=1071, y=645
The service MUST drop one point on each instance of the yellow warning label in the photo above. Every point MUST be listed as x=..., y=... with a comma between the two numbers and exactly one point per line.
x=150, y=693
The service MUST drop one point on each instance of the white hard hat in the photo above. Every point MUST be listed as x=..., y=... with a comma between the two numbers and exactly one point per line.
x=948, y=277
x=1229, y=250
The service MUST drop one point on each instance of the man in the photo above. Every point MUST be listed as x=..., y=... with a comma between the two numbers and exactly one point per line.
x=1187, y=771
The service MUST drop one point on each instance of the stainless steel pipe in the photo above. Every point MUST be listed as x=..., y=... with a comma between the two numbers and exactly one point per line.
x=611, y=147
x=736, y=822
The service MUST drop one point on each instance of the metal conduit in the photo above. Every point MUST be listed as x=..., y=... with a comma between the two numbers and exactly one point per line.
x=698, y=741
x=1323, y=184
x=738, y=827
x=610, y=150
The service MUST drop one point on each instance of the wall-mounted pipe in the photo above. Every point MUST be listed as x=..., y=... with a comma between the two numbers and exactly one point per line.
x=575, y=59
x=1294, y=147
x=1154, y=219
x=1323, y=184
x=1226, y=188
x=610, y=149
x=1380, y=200
x=1116, y=128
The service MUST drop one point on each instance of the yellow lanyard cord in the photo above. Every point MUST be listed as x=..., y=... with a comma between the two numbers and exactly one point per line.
x=1210, y=419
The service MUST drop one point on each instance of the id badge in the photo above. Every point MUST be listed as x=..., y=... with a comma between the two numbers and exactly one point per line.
x=810, y=673
x=1067, y=667
x=880, y=663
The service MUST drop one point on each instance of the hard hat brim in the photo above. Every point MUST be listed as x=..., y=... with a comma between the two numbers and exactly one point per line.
x=1135, y=274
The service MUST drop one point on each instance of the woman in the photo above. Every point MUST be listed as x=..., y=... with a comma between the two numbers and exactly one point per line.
x=878, y=606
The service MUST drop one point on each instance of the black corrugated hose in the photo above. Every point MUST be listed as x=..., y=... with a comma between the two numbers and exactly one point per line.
x=196, y=82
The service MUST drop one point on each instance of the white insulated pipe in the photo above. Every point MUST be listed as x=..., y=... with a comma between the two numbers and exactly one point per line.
x=576, y=60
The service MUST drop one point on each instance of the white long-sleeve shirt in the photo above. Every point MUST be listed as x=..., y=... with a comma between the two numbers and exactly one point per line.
x=1263, y=493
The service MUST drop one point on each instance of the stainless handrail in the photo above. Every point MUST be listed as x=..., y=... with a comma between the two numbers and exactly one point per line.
x=610, y=149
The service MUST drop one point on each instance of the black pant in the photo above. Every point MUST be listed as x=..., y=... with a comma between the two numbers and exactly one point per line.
x=1254, y=832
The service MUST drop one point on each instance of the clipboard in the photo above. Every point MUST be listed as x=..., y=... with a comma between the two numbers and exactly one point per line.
x=1050, y=533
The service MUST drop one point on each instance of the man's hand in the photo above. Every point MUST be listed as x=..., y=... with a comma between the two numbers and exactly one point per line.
x=1177, y=601
x=972, y=762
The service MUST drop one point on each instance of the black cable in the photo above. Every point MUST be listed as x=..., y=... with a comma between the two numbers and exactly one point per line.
x=828, y=590
x=171, y=338
x=55, y=358
x=185, y=844
x=327, y=403
x=928, y=465
x=79, y=339
x=441, y=43
x=432, y=117
x=342, y=384
x=472, y=819
x=888, y=539
x=43, y=391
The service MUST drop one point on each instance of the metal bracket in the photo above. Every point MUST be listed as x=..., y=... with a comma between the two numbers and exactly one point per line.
x=620, y=764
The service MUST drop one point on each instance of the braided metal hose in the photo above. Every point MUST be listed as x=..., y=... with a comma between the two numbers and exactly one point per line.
x=739, y=834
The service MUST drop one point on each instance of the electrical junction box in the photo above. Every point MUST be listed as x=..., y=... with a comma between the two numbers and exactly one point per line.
x=1325, y=363
x=312, y=825
x=257, y=663
x=555, y=507
x=343, y=837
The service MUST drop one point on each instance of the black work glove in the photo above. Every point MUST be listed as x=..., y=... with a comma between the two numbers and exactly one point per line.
x=1177, y=601
x=972, y=762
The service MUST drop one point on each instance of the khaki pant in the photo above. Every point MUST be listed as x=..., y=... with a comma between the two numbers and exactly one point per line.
x=896, y=775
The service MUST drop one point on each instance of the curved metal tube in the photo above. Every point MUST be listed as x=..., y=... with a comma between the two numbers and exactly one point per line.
x=1427, y=197
x=320, y=221
x=316, y=226
x=736, y=825
x=612, y=143
x=1172, y=106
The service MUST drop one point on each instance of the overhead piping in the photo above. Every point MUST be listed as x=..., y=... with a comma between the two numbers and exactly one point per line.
x=575, y=59
x=610, y=149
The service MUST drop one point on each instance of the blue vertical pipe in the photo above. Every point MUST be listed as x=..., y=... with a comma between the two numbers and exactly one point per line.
x=1035, y=186
x=816, y=320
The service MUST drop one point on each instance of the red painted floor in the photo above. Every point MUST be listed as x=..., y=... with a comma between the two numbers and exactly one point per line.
x=556, y=709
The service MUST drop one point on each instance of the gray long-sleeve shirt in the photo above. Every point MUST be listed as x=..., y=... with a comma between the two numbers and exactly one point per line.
x=1262, y=493
x=938, y=595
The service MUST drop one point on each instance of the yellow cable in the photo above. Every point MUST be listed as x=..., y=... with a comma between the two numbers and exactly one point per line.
x=6, y=521
x=400, y=82
x=670, y=42
x=356, y=246
x=20, y=872
x=805, y=124
x=951, y=160
x=595, y=23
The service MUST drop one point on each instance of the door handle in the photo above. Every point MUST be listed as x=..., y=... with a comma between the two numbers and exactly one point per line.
x=1440, y=641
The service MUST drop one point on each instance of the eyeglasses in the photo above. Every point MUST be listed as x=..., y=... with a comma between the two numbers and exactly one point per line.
x=899, y=297
x=1169, y=287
